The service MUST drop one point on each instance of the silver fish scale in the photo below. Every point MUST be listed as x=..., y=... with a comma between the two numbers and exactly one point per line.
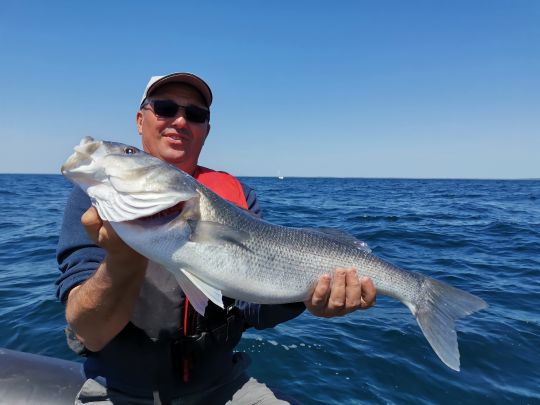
x=276, y=264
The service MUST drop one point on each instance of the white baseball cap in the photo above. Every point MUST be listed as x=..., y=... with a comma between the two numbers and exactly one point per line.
x=179, y=77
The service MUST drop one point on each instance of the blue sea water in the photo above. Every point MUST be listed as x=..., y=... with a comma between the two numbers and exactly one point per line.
x=479, y=235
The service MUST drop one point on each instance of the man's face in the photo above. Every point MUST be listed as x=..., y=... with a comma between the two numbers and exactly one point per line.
x=175, y=140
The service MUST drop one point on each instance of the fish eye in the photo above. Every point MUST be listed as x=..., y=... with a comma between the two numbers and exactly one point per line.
x=130, y=151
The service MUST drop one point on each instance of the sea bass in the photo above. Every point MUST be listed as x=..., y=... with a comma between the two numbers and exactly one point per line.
x=216, y=249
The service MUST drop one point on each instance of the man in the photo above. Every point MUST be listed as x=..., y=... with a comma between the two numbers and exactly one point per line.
x=143, y=341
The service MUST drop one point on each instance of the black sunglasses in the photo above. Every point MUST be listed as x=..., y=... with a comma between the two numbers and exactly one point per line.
x=169, y=109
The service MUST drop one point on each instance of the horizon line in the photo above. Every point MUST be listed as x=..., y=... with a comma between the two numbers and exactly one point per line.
x=333, y=177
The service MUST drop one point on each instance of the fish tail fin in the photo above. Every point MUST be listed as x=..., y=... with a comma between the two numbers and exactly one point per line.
x=436, y=312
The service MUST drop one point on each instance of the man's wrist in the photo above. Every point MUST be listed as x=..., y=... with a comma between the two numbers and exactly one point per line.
x=119, y=266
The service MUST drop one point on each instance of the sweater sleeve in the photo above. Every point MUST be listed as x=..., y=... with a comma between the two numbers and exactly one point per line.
x=77, y=256
x=262, y=316
x=251, y=200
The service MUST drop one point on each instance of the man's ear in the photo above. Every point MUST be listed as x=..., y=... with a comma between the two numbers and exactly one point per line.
x=207, y=132
x=139, y=120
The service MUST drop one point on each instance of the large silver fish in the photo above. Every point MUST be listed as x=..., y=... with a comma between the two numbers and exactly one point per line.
x=215, y=248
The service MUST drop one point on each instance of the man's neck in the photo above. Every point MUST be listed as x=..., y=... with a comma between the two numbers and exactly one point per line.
x=189, y=169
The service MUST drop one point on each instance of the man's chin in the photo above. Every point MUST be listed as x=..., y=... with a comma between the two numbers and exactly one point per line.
x=180, y=162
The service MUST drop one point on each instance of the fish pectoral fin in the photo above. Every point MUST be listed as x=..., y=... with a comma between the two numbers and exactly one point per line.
x=342, y=236
x=216, y=233
x=198, y=291
x=191, y=209
x=212, y=293
x=196, y=297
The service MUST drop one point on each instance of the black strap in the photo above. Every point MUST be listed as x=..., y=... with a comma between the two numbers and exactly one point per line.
x=163, y=381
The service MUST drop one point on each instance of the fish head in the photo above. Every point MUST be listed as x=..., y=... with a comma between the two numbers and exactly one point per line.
x=124, y=182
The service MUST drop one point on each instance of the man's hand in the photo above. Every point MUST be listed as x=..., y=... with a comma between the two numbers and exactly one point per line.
x=342, y=294
x=102, y=233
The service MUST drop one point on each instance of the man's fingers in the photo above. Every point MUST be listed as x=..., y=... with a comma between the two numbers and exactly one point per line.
x=320, y=294
x=353, y=291
x=92, y=223
x=90, y=217
x=369, y=293
x=338, y=292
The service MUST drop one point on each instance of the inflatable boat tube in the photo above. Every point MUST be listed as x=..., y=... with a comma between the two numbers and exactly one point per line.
x=34, y=379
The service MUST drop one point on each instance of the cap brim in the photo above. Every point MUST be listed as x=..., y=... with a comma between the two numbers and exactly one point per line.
x=187, y=78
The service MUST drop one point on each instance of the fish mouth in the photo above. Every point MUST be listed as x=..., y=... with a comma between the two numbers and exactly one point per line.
x=81, y=160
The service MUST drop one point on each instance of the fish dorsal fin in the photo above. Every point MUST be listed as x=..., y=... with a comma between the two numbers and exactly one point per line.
x=197, y=291
x=216, y=233
x=342, y=236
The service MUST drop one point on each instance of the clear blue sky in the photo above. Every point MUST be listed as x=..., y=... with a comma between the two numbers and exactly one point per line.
x=304, y=88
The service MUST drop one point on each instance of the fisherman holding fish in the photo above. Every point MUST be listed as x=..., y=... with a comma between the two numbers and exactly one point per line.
x=144, y=343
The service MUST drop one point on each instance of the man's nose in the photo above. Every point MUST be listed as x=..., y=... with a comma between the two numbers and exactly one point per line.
x=180, y=118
